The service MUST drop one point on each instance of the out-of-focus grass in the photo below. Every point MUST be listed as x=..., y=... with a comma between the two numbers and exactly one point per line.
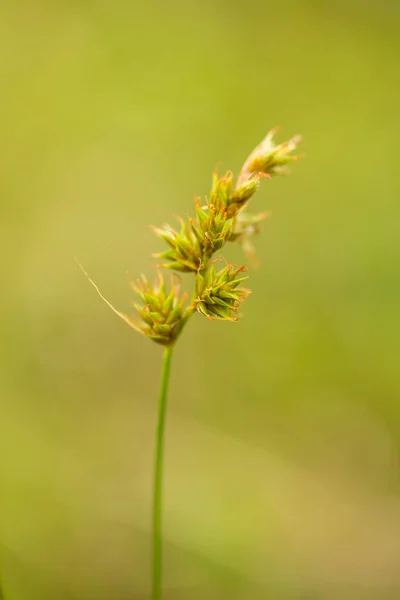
x=283, y=432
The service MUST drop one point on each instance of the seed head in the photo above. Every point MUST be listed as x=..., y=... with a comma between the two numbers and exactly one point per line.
x=217, y=295
x=268, y=159
x=213, y=221
x=221, y=190
x=162, y=314
x=185, y=251
x=218, y=220
x=244, y=192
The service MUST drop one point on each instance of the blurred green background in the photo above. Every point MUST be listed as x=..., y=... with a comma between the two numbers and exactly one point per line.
x=282, y=466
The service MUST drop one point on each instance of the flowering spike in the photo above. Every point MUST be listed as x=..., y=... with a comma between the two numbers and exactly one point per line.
x=218, y=296
x=268, y=159
x=163, y=313
x=184, y=253
x=221, y=218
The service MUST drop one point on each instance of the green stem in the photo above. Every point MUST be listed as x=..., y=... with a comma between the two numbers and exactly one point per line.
x=158, y=472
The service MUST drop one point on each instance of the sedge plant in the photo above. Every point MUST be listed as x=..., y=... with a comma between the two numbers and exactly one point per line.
x=218, y=291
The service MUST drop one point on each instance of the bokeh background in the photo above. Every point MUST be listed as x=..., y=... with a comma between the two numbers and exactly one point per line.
x=282, y=465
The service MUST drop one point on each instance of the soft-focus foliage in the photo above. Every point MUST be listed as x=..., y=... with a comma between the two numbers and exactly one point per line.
x=283, y=431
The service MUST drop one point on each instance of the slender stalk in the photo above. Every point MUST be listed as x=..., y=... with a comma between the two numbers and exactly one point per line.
x=158, y=475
